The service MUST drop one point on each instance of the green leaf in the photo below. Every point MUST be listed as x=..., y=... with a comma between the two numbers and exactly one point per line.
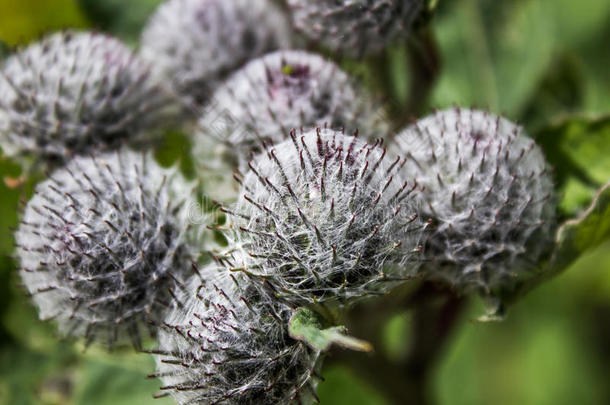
x=306, y=326
x=575, y=238
x=175, y=147
x=561, y=91
x=579, y=150
x=493, y=54
x=496, y=53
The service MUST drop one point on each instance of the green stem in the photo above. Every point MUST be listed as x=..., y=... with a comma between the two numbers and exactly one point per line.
x=425, y=66
x=436, y=314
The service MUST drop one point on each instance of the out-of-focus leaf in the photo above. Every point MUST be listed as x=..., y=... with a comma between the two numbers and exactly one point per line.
x=117, y=380
x=121, y=18
x=36, y=378
x=579, y=149
x=497, y=53
x=560, y=92
x=589, y=278
x=341, y=387
x=60, y=376
x=574, y=238
x=21, y=321
x=539, y=355
x=22, y=21
x=580, y=235
x=175, y=147
x=396, y=336
x=493, y=55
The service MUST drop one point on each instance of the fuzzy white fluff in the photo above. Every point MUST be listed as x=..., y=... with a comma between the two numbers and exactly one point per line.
x=195, y=43
x=490, y=192
x=74, y=93
x=228, y=344
x=274, y=94
x=326, y=218
x=103, y=242
x=355, y=27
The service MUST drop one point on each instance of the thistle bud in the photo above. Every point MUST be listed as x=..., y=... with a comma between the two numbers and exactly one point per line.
x=325, y=217
x=355, y=28
x=196, y=43
x=267, y=98
x=278, y=92
x=74, y=93
x=105, y=243
x=228, y=342
x=489, y=191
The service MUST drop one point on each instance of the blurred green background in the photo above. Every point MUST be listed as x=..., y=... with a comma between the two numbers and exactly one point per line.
x=544, y=63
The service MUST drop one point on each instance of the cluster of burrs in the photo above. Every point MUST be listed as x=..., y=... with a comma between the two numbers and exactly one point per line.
x=259, y=104
x=328, y=209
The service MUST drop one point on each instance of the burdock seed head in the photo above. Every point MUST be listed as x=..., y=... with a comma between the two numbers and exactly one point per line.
x=196, y=43
x=355, y=28
x=488, y=188
x=325, y=217
x=74, y=93
x=228, y=343
x=104, y=243
x=276, y=93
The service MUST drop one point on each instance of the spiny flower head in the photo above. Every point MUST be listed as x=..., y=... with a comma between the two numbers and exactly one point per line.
x=278, y=92
x=325, y=218
x=74, y=93
x=103, y=244
x=355, y=27
x=228, y=343
x=196, y=43
x=489, y=190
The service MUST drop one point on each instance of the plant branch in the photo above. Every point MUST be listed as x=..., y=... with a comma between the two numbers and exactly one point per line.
x=436, y=314
x=425, y=66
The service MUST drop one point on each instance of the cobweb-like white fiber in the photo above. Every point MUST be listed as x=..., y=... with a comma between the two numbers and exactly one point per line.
x=355, y=27
x=489, y=190
x=267, y=98
x=104, y=243
x=75, y=93
x=228, y=343
x=196, y=43
x=326, y=217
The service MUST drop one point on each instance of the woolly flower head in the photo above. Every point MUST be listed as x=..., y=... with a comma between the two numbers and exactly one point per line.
x=195, y=43
x=355, y=27
x=228, y=343
x=325, y=218
x=489, y=190
x=103, y=244
x=73, y=93
x=276, y=93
